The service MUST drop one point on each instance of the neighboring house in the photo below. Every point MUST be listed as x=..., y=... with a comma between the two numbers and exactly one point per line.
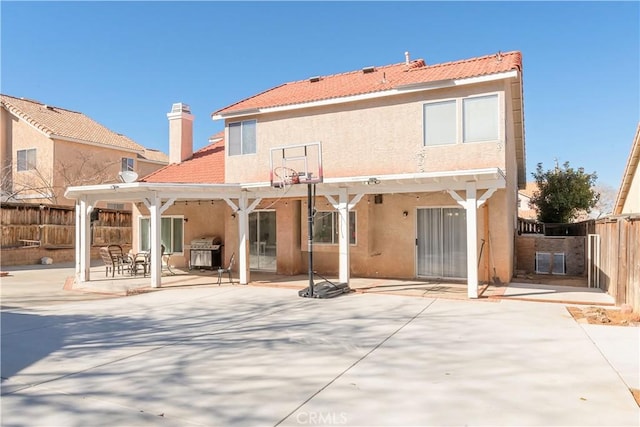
x=628, y=198
x=45, y=149
x=525, y=210
x=421, y=168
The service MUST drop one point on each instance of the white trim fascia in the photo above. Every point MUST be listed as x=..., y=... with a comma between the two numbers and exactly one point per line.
x=399, y=90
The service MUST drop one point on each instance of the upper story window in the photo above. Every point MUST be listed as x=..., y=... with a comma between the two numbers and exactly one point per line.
x=325, y=227
x=242, y=137
x=26, y=159
x=474, y=119
x=127, y=164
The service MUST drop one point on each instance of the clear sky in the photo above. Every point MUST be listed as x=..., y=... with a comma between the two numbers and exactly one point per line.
x=124, y=63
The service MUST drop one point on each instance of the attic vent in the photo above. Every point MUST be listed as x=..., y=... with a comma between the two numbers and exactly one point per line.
x=314, y=79
x=367, y=70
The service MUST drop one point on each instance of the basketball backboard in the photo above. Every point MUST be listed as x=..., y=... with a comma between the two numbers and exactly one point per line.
x=296, y=164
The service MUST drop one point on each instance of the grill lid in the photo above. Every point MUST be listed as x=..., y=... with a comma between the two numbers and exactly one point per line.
x=210, y=242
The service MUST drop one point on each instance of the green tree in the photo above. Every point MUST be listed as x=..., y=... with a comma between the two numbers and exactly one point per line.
x=563, y=192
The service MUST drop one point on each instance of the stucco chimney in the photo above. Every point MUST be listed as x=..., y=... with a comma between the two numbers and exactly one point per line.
x=180, y=133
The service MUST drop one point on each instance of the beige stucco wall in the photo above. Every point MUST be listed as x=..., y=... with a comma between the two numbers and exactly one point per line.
x=18, y=135
x=144, y=168
x=6, y=123
x=378, y=136
x=201, y=219
x=385, y=136
x=85, y=160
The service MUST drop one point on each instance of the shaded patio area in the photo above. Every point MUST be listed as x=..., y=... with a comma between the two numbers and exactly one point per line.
x=130, y=285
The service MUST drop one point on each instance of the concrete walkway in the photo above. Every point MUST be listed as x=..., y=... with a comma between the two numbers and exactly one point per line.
x=261, y=356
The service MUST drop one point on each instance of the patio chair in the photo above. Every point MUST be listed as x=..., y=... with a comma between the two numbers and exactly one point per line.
x=164, y=260
x=121, y=261
x=108, y=261
x=227, y=270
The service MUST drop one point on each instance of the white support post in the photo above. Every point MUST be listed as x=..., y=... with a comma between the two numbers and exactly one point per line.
x=343, y=241
x=154, y=225
x=471, y=207
x=78, y=246
x=85, y=240
x=243, y=226
x=344, y=206
x=242, y=211
x=472, y=240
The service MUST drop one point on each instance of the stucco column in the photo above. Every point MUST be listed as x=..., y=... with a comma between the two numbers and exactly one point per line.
x=471, y=208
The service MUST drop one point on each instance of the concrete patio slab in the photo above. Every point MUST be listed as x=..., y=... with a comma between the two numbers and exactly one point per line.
x=254, y=356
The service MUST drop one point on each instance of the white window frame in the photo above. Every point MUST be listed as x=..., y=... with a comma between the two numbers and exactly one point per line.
x=460, y=136
x=145, y=245
x=26, y=164
x=241, y=148
x=334, y=227
x=127, y=164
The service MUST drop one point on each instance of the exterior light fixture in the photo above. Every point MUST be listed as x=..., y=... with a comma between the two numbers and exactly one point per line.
x=372, y=181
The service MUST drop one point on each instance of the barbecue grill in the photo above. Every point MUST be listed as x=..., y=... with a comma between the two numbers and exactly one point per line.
x=206, y=252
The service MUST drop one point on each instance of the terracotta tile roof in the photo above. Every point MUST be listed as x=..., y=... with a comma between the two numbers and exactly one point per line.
x=381, y=79
x=206, y=166
x=56, y=121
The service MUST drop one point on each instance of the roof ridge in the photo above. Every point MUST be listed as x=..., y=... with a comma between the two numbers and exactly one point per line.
x=344, y=73
x=473, y=59
x=35, y=101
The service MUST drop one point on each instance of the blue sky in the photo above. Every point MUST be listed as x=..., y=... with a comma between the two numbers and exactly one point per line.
x=124, y=63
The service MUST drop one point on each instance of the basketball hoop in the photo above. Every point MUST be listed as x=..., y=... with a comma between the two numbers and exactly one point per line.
x=286, y=176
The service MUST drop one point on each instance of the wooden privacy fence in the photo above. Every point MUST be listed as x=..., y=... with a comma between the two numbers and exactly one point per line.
x=54, y=226
x=614, y=263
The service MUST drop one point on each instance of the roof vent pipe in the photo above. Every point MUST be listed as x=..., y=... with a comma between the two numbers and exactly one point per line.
x=406, y=58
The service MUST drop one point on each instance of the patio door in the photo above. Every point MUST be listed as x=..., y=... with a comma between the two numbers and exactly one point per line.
x=442, y=243
x=262, y=240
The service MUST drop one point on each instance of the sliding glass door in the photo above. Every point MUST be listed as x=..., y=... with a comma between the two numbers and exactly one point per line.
x=442, y=243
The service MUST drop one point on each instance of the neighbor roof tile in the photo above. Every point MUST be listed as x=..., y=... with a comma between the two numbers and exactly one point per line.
x=56, y=121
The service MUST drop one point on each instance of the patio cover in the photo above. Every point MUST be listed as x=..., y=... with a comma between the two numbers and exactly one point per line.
x=342, y=193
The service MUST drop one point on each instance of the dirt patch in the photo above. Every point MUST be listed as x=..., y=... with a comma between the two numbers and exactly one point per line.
x=604, y=316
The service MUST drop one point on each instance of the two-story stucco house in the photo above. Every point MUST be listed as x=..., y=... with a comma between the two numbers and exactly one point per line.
x=46, y=148
x=420, y=163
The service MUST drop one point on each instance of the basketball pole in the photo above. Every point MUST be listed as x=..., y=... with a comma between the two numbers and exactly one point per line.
x=310, y=238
